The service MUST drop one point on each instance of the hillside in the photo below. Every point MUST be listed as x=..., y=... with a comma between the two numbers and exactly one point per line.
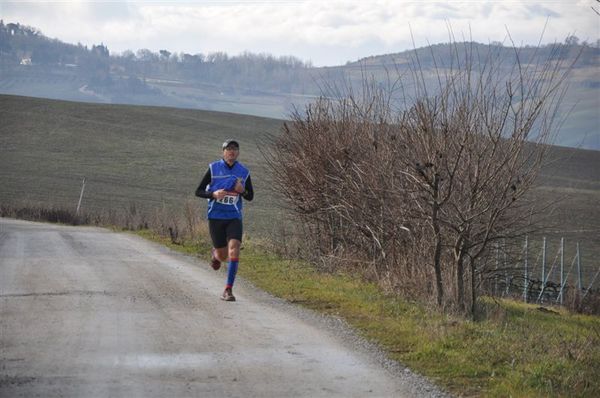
x=152, y=157
x=253, y=84
x=130, y=155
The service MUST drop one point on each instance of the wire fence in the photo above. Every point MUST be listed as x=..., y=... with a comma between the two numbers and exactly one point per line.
x=539, y=275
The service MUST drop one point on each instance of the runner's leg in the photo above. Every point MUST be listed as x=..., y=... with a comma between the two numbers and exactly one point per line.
x=218, y=235
x=234, y=242
x=232, y=266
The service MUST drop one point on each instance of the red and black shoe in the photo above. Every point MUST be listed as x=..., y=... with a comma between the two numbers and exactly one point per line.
x=227, y=295
x=214, y=262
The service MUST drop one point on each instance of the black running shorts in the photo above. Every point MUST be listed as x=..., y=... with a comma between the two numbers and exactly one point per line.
x=223, y=230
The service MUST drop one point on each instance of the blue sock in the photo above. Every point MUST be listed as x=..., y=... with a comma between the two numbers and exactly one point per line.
x=232, y=268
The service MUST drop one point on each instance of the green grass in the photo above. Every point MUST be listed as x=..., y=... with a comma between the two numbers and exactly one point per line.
x=513, y=349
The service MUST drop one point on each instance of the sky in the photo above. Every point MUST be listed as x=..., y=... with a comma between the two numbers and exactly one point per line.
x=324, y=32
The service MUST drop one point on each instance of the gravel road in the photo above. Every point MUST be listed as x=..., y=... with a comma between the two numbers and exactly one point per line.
x=85, y=312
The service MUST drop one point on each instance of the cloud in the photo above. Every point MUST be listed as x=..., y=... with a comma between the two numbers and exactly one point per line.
x=328, y=32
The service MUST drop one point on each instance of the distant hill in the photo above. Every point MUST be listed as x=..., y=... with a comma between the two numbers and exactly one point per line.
x=255, y=84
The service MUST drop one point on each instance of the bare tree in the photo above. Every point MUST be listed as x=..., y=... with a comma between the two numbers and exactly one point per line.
x=417, y=178
x=477, y=150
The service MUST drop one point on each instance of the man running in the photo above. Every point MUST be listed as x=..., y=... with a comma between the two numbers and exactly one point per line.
x=224, y=184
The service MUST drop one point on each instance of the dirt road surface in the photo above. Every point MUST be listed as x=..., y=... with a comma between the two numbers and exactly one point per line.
x=85, y=312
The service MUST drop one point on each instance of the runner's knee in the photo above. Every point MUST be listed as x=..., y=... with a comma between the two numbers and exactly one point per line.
x=221, y=253
x=234, y=248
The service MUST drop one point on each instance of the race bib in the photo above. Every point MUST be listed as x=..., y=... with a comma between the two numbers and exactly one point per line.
x=228, y=200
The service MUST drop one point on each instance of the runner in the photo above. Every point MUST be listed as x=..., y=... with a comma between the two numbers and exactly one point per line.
x=224, y=184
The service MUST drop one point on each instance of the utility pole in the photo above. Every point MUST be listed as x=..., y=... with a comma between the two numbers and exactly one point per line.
x=562, y=268
x=579, y=279
x=544, y=264
x=80, y=196
x=526, y=283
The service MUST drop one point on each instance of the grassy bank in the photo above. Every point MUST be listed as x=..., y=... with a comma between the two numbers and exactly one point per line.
x=513, y=349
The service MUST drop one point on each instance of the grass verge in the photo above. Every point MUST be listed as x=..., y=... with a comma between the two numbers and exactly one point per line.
x=512, y=350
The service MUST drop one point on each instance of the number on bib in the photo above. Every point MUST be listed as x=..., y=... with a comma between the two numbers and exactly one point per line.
x=228, y=200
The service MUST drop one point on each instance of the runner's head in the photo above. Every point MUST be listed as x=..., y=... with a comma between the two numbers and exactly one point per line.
x=231, y=144
x=231, y=150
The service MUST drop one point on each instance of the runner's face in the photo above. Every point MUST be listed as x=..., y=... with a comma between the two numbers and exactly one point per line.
x=230, y=154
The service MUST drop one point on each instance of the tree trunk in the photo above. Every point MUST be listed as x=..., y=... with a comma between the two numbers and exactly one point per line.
x=460, y=285
x=437, y=266
x=460, y=254
x=473, y=288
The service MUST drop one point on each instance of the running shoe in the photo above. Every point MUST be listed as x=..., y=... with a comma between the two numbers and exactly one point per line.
x=214, y=262
x=228, y=295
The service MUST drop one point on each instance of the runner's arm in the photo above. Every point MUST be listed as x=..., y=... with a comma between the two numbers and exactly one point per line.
x=248, y=193
x=201, y=190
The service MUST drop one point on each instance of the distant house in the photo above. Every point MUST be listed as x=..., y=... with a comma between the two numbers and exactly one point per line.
x=26, y=61
x=12, y=28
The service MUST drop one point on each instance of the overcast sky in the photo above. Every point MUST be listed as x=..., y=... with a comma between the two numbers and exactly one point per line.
x=326, y=32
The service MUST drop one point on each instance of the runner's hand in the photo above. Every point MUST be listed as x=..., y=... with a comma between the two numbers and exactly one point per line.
x=239, y=187
x=219, y=194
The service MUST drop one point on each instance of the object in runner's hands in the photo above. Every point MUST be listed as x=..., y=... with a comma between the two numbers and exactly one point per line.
x=231, y=182
x=239, y=182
